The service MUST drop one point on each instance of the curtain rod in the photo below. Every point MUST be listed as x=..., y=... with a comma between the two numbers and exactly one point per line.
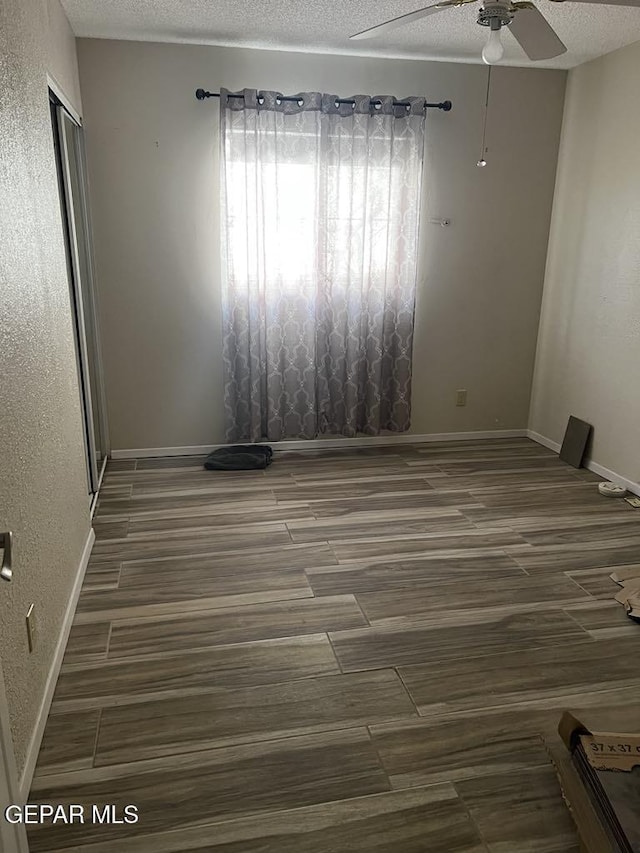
x=201, y=94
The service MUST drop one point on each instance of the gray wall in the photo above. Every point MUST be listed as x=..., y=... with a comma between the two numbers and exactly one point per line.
x=589, y=346
x=152, y=152
x=43, y=491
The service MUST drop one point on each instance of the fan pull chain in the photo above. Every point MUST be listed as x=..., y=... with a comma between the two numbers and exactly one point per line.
x=482, y=162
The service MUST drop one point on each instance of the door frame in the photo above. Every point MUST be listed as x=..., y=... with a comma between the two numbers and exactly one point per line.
x=93, y=308
x=13, y=837
x=85, y=311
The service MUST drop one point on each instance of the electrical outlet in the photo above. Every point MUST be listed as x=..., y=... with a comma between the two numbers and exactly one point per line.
x=31, y=627
x=461, y=397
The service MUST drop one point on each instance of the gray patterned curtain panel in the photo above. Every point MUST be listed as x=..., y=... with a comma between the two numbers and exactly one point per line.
x=320, y=211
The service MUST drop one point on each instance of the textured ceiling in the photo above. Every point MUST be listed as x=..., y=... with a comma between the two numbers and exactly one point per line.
x=588, y=30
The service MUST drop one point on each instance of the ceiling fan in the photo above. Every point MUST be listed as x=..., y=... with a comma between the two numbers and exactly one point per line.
x=525, y=22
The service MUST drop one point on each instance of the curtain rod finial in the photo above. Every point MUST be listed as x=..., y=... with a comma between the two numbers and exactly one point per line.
x=446, y=106
x=201, y=94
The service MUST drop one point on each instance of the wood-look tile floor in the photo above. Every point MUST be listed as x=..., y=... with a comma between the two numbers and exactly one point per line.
x=355, y=650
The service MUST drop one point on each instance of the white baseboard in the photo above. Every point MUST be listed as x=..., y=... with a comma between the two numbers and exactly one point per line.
x=319, y=443
x=544, y=441
x=612, y=476
x=52, y=678
x=590, y=464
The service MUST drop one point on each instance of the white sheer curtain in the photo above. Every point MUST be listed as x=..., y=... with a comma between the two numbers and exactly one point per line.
x=320, y=218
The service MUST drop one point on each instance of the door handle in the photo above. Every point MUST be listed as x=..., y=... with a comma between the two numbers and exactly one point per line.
x=6, y=541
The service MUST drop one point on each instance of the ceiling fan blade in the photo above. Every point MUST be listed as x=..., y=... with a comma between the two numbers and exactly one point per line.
x=635, y=3
x=406, y=19
x=535, y=35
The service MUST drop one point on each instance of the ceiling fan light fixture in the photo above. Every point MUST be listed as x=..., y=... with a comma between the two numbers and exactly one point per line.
x=493, y=51
x=529, y=27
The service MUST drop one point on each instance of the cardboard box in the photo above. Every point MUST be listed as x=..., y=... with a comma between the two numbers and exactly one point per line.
x=600, y=778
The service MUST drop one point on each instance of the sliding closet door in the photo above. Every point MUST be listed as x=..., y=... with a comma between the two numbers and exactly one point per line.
x=71, y=169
